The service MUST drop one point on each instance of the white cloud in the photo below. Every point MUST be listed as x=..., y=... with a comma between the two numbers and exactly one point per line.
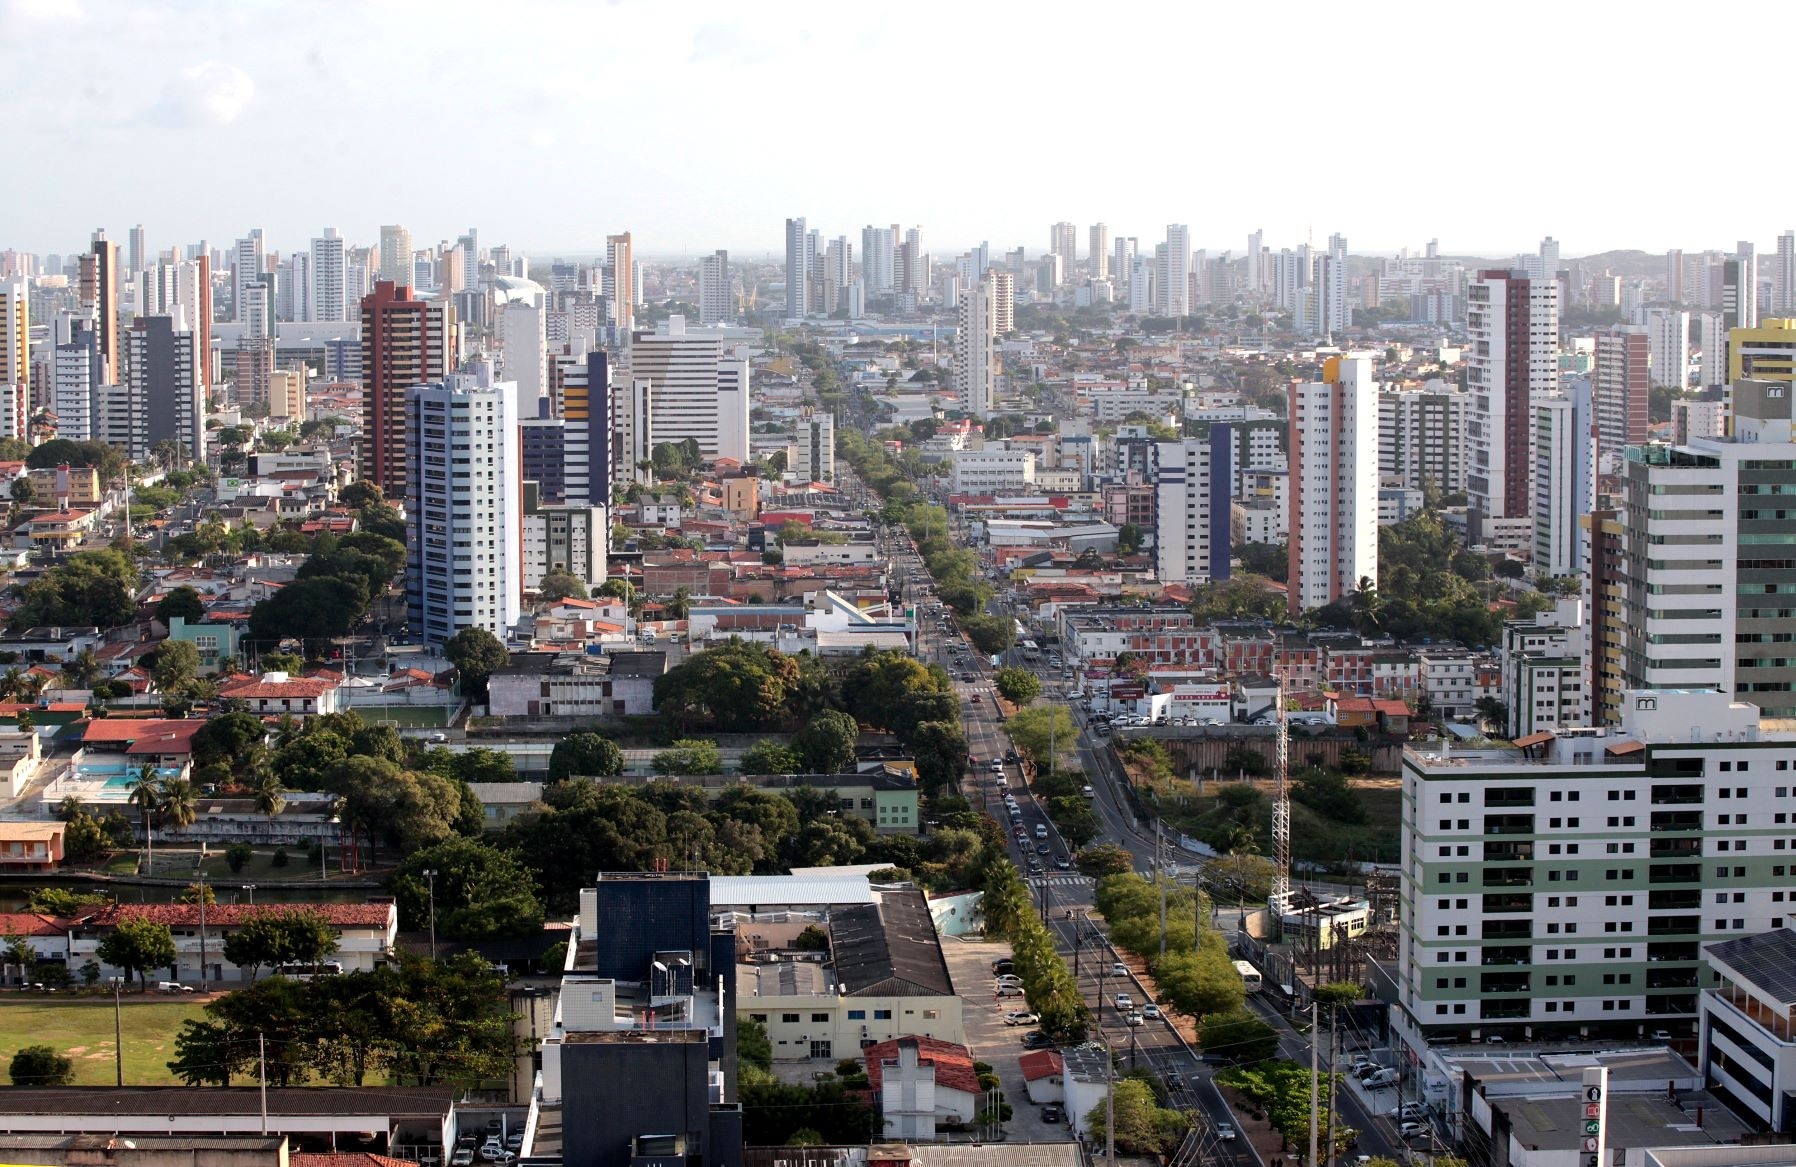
x=211, y=93
x=43, y=11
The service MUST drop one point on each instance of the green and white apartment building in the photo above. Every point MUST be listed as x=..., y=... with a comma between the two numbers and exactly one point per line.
x=1565, y=886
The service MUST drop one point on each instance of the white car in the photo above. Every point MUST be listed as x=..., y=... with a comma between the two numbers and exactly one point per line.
x=1225, y=1131
x=1021, y=1017
x=1010, y=979
x=1151, y=1011
x=1124, y=1002
x=1411, y=1130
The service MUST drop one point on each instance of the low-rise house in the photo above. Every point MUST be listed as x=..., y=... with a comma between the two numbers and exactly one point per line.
x=365, y=935
x=502, y=803
x=217, y=642
x=20, y=754
x=278, y=693
x=47, y=935
x=55, y=530
x=1044, y=1075
x=30, y=847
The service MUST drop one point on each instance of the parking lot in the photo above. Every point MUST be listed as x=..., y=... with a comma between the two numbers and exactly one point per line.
x=992, y=1041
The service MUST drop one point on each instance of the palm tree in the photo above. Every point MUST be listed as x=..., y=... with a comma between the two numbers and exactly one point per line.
x=145, y=793
x=179, y=802
x=83, y=671
x=268, y=792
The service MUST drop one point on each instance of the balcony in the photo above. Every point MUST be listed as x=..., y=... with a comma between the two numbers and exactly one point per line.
x=1512, y=902
x=1674, y=848
x=1677, y=820
x=1671, y=978
x=1508, y=852
x=1506, y=955
x=1682, y=1005
x=1502, y=797
x=1509, y=877
x=1508, y=930
x=1505, y=983
x=1657, y=953
x=1509, y=824
x=1676, y=795
x=1511, y=1010
x=1675, y=872
x=1683, y=900
x=1674, y=926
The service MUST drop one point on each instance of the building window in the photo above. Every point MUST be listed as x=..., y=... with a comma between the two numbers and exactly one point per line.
x=820, y=1018
x=882, y=1014
x=789, y=1018
x=857, y=1015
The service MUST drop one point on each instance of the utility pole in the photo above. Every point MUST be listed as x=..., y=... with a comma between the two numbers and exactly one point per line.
x=262, y=1073
x=202, y=929
x=431, y=875
x=1160, y=878
x=1315, y=1102
x=118, y=1029
x=1333, y=1055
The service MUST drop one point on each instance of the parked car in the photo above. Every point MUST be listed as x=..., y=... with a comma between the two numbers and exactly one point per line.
x=1002, y=965
x=1009, y=991
x=1411, y=1130
x=1021, y=1017
x=1009, y=979
x=1409, y=1110
x=1053, y=1113
x=463, y=1157
x=1225, y=1132
x=493, y=1149
x=1036, y=1039
x=1380, y=1080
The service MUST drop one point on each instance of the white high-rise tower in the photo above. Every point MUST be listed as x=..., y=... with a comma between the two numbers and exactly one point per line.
x=329, y=300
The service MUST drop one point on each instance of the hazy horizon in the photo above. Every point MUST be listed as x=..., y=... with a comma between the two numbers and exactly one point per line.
x=697, y=127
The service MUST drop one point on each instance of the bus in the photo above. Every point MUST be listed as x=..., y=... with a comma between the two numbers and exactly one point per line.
x=1250, y=976
x=1030, y=652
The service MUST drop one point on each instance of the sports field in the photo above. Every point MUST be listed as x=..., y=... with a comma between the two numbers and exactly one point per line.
x=82, y=1029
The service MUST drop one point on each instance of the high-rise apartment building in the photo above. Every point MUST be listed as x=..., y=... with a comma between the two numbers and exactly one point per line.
x=1783, y=276
x=99, y=297
x=166, y=399
x=878, y=250
x=1003, y=286
x=1740, y=289
x=698, y=390
x=716, y=297
x=1063, y=240
x=585, y=410
x=1333, y=487
x=139, y=256
x=1622, y=386
x=798, y=269
x=814, y=447
x=1511, y=361
x=1569, y=888
x=620, y=282
x=838, y=273
x=1767, y=352
x=248, y=264
x=1100, y=251
x=976, y=349
x=524, y=348
x=77, y=377
x=1668, y=346
x=1707, y=569
x=1421, y=437
x=1143, y=272
x=1122, y=257
x=396, y=256
x=15, y=332
x=1711, y=346
x=329, y=294
x=1565, y=462
x=463, y=504
x=1175, y=294
x=405, y=342
x=1193, y=482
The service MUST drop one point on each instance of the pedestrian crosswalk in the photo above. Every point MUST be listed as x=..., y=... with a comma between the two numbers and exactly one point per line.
x=1059, y=881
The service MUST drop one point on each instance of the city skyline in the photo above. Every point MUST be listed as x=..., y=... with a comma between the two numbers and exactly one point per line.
x=273, y=95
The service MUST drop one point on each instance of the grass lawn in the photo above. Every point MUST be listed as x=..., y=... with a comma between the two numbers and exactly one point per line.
x=82, y=1029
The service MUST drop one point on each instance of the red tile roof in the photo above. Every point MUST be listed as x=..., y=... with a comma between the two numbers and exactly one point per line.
x=130, y=729
x=30, y=924
x=953, y=1064
x=1040, y=1063
x=226, y=915
x=255, y=689
x=347, y=1159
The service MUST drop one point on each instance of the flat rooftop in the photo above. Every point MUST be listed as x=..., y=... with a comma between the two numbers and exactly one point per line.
x=1506, y=1074
x=1634, y=1120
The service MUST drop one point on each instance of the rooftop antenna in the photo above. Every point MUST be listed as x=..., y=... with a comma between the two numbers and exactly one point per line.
x=1281, y=803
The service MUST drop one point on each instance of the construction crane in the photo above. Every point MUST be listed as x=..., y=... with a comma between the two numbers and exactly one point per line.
x=1281, y=805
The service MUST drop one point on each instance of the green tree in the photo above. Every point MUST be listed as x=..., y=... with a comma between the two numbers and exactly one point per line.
x=940, y=751
x=827, y=742
x=310, y=609
x=753, y=1048
x=282, y=662
x=482, y=891
x=1103, y=859
x=42, y=1065
x=560, y=584
x=477, y=654
x=274, y=937
x=1018, y=686
x=587, y=755
x=184, y=602
x=991, y=635
x=138, y=945
x=768, y=756
x=1036, y=729
x=740, y=684
x=234, y=739
x=689, y=756
x=1143, y=1127
x=1237, y=1035
x=1202, y=980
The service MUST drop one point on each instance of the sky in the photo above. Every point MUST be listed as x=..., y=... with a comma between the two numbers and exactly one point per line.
x=696, y=125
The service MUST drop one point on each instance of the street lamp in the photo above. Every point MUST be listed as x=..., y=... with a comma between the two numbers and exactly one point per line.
x=431, y=875
x=251, y=889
